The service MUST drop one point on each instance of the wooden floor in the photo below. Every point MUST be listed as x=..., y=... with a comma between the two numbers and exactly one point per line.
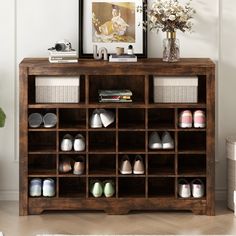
x=99, y=223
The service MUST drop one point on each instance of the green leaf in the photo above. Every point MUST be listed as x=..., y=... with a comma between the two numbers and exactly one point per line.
x=2, y=118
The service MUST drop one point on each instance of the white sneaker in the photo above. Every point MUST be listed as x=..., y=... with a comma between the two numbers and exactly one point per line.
x=35, y=188
x=79, y=143
x=197, y=188
x=49, y=188
x=184, y=188
x=67, y=143
x=167, y=141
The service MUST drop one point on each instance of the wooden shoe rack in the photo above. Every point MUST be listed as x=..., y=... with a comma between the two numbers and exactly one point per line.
x=192, y=157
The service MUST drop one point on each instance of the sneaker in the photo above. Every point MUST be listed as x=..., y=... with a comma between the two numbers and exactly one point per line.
x=79, y=166
x=185, y=119
x=125, y=168
x=107, y=117
x=50, y=120
x=154, y=141
x=35, y=188
x=35, y=120
x=197, y=187
x=65, y=165
x=167, y=141
x=199, y=119
x=95, y=120
x=67, y=143
x=96, y=188
x=79, y=143
x=138, y=165
x=109, y=188
x=49, y=188
x=184, y=188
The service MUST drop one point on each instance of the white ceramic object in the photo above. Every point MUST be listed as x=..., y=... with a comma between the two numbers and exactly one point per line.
x=184, y=189
x=67, y=143
x=35, y=189
x=79, y=143
x=49, y=188
x=197, y=188
x=154, y=141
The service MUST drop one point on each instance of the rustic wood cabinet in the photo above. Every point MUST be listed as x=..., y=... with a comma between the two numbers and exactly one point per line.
x=157, y=189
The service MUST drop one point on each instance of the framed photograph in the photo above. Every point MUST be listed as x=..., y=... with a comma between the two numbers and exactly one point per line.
x=111, y=24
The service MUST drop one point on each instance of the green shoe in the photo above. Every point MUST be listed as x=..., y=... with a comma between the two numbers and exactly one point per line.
x=96, y=188
x=109, y=188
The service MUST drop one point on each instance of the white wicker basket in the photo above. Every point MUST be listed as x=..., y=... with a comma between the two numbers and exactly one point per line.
x=231, y=169
x=57, y=89
x=175, y=89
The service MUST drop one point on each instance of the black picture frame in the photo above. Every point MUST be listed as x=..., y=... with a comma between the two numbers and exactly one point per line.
x=83, y=54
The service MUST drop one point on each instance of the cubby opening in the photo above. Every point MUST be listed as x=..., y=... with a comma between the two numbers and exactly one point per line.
x=72, y=118
x=102, y=141
x=202, y=89
x=161, y=187
x=131, y=187
x=103, y=82
x=131, y=118
x=72, y=187
x=131, y=141
x=161, y=164
x=161, y=118
x=192, y=164
x=42, y=141
x=42, y=164
x=102, y=164
x=192, y=141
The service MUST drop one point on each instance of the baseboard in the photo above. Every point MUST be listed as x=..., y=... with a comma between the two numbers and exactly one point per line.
x=12, y=195
x=9, y=195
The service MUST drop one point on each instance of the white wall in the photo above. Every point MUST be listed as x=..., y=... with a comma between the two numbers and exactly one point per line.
x=29, y=27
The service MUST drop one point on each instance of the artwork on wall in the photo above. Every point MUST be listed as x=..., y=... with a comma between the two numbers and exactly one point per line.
x=111, y=24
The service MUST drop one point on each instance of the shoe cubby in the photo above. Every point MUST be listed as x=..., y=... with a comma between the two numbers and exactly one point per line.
x=102, y=165
x=192, y=141
x=72, y=119
x=108, y=82
x=42, y=141
x=161, y=119
x=137, y=130
x=131, y=119
x=161, y=187
x=130, y=187
x=187, y=164
x=130, y=141
x=102, y=141
x=161, y=165
x=42, y=164
x=72, y=187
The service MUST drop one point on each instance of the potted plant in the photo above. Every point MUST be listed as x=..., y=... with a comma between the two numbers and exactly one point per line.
x=2, y=118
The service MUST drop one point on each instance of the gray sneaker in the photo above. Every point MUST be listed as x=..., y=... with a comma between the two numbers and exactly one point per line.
x=167, y=141
x=125, y=168
x=154, y=141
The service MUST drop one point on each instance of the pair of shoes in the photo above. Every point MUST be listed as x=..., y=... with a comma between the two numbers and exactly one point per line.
x=37, y=188
x=97, y=188
x=101, y=117
x=126, y=168
x=197, y=120
x=68, y=143
x=196, y=188
x=49, y=120
x=165, y=142
x=66, y=164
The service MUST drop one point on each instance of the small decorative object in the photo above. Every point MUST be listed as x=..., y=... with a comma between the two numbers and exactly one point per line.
x=111, y=23
x=130, y=50
x=2, y=118
x=170, y=16
x=98, y=54
x=119, y=51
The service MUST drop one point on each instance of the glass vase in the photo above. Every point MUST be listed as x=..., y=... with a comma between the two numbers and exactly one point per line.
x=171, y=48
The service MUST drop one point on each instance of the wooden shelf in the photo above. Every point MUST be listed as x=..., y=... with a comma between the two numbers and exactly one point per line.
x=157, y=189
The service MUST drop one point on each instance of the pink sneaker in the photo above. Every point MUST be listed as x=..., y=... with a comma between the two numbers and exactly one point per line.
x=199, y=119
x=185, y=119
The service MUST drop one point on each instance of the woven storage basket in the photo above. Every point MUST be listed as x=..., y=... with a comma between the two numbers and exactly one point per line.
x=57, y=89
x=231, y=169
x=175, y=89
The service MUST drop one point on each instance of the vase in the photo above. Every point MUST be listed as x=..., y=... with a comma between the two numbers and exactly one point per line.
x=171, y=48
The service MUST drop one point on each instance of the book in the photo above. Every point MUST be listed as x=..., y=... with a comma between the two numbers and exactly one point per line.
x=115, y=92
x=123, y=58
x=63, y=58
x=54, y=52
x=115, y=100
x=63, y=61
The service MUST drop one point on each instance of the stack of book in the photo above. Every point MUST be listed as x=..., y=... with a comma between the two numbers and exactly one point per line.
x=123, y=58
x=123, y=95
x=63, y=56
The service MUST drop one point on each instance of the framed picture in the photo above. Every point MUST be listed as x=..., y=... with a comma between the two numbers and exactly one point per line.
x=111, y=24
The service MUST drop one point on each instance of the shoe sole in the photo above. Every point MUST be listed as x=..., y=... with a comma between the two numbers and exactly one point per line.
x=138, y=172
x=78, y=173
x=168, y=146
x=126, y=172
x=185, y=125
x=199, y=125
x=155, y=146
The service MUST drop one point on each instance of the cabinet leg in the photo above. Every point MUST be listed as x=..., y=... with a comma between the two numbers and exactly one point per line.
x=35, y=211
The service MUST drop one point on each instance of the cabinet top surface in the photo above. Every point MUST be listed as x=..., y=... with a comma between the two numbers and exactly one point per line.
x=86, y=63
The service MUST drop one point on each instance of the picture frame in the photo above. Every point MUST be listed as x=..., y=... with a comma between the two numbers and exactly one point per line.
x=111, y=24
